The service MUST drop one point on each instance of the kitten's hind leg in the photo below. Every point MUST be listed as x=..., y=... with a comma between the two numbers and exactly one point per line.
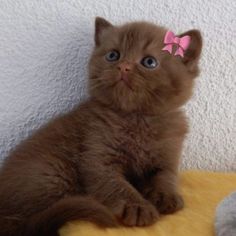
x=37, y=196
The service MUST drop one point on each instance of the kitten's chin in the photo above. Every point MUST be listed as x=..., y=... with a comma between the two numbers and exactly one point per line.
x=125, y=86
x=125, y=103
x=123, y=94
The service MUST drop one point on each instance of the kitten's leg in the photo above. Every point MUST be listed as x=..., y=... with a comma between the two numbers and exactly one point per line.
x=162, y=189
x=37, y=196
x=120, y=197
x=163, y=193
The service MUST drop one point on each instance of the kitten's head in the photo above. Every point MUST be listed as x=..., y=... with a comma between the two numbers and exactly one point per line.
x=129, y=70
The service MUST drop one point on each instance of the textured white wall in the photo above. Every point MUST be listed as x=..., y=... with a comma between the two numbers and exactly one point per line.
x=44, y=48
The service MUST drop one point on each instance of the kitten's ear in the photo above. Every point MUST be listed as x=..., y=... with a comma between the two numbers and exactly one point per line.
x=192, y=54
x=100, y=25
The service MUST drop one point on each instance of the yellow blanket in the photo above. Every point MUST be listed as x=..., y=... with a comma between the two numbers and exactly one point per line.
x=202, y=192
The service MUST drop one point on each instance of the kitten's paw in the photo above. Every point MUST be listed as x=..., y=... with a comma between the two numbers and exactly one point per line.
x=138, y=214
x=168, y=203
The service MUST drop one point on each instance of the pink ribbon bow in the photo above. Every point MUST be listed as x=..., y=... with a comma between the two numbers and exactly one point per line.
x=182, y=43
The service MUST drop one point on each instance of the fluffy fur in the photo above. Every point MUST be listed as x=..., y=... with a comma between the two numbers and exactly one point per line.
x=225, y=221
x=115, y=157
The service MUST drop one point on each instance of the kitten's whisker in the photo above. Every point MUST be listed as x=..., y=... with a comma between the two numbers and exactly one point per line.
x=156, y=95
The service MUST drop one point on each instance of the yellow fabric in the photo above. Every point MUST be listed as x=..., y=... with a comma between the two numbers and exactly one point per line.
x=202, y=192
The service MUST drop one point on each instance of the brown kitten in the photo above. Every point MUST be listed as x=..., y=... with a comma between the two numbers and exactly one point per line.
x=116, y=155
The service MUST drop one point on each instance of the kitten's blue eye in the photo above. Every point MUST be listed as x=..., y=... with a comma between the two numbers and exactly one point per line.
x=149, y=62
x=112, y=56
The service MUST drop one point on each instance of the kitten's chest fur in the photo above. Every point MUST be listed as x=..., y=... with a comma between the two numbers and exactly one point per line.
x=133, y=142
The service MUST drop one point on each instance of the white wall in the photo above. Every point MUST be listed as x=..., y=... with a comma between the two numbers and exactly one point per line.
x=44, y=49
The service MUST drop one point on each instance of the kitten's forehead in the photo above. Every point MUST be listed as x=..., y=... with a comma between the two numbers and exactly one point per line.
x=141, y=31
x=139, y=36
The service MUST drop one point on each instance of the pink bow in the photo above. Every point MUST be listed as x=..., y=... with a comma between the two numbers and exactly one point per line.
x=182, y=43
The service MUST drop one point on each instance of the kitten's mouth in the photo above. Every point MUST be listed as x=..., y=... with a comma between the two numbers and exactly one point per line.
x=124, y=78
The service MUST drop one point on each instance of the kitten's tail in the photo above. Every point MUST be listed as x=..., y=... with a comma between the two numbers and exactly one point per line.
x=48, y=222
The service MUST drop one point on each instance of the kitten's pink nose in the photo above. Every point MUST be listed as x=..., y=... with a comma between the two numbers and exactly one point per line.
x=125, y=66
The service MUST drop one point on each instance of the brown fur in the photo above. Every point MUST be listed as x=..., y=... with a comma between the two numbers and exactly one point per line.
x=114, y=156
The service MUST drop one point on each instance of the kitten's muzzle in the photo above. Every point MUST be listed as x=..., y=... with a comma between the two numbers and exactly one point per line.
x=125, y=67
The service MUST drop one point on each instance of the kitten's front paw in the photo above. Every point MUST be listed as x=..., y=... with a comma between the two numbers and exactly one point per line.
x=168, y=203
x=135, y=214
